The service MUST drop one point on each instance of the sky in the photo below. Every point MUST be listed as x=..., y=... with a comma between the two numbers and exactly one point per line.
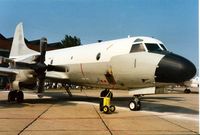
x=174, y=22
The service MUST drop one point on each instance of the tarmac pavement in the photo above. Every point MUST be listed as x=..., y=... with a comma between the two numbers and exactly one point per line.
x=58, y=114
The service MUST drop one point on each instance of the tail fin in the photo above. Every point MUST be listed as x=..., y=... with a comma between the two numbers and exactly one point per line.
x=19, y=47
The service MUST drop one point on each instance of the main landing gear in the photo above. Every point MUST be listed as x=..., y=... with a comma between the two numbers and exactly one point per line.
x=15, y=95
x=135, y=104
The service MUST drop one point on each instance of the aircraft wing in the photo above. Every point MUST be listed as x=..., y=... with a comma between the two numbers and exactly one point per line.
x=7, y=71
x=58, y=76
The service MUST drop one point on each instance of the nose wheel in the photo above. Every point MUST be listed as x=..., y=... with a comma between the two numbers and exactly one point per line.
x=135, y=104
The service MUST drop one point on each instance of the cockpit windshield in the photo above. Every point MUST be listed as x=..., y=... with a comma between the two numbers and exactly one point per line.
x=163, y=47
x=151, y=47
x=137, y=48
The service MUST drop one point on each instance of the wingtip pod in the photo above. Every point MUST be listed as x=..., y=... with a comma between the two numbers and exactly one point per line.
x=19, y=47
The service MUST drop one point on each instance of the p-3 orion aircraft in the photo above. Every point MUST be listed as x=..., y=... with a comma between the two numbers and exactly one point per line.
x=137, y=64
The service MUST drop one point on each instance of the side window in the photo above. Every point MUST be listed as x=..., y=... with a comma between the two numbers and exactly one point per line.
x=137, y=48
x=98, y=56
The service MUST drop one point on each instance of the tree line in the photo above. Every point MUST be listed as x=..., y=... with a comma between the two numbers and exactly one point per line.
x=70, y=41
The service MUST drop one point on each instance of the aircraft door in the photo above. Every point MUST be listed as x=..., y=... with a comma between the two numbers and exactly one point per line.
x=109, y=77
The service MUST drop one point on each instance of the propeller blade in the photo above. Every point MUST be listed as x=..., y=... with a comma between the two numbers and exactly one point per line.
x=25, y=65
x=55, y=68
x=41, y=66
x=38, y=67
x=43, y=47
x=41, y=79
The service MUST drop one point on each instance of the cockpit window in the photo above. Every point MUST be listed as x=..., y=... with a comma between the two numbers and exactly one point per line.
x=137, y=48
x=163, y=47
x=152, y=47
x=138, y=40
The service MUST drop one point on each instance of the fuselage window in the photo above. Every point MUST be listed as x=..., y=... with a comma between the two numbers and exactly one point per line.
x=98, y=56
x=151, y=47
x=137, y=48
x=163, y=47
x=51, y=62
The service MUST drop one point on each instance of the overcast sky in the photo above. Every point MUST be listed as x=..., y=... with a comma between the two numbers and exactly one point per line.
x=175, y=22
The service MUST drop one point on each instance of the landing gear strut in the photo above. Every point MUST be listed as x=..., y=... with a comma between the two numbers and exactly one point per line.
x=135, y=104
x=15, y=95
x=67, y=88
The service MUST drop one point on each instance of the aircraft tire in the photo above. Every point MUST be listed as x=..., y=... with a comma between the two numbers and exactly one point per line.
x=12, y=95
x=20, y=96
x=135, y=105
x=132, y=105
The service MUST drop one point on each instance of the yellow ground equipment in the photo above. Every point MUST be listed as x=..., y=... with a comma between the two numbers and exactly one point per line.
x=105, y=104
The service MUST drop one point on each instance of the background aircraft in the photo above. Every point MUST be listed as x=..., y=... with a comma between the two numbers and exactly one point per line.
x=137, y=64
x=192, y=83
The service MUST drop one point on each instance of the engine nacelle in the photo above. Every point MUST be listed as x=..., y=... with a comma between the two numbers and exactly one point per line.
x=25, y=85
x=15, y=85
x=25, y=79
x=25, y=75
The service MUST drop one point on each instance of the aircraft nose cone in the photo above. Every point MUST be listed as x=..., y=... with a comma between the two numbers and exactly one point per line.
x=174, y=69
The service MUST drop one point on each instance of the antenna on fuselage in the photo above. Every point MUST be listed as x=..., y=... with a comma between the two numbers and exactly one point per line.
x=99, y=41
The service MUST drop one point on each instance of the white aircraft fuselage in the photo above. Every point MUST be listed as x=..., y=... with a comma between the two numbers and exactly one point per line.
x=108, y=64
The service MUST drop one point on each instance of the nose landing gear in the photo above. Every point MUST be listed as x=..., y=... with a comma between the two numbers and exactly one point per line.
x=135, y=104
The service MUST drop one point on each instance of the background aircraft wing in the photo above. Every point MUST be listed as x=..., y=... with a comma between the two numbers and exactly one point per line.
x=7, y=71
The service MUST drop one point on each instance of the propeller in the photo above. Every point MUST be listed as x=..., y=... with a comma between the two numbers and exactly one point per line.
x=41, y=67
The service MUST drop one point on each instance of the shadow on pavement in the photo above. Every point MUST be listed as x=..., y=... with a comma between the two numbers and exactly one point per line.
x=148, y=103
